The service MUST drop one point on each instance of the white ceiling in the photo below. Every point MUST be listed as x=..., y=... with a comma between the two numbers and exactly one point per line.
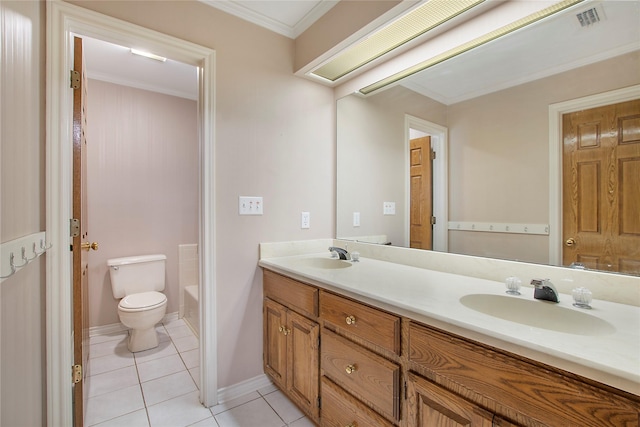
x=287, y=17
x=553, y=45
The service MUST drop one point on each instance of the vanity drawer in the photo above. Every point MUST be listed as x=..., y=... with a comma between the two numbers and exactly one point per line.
x=340, y=409
x=534, y=390
x=375, y=326
x=295, y=295
x=370, y=377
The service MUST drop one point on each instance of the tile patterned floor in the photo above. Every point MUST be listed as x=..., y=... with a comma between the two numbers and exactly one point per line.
x=159, y=387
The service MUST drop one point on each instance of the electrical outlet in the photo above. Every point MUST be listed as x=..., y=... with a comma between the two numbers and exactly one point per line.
x=305, y=219
x=356, y=219
x=389, y=208
x=250, y=205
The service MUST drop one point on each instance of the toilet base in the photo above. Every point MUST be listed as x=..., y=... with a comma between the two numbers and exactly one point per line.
x=142, y=339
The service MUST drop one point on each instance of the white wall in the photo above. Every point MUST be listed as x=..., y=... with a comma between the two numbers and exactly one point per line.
x=142, y=182
x=22, y=154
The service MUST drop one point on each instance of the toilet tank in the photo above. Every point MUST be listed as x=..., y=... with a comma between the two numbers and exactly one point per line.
x=135, y=274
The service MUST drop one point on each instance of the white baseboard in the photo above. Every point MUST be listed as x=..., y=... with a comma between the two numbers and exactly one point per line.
x=231, y=392
x=119, y=327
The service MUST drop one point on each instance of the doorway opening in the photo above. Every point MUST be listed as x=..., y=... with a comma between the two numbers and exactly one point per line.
x=64, y=20
x=439, y=144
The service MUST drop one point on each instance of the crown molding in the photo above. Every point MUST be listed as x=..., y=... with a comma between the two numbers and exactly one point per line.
x=243, y=12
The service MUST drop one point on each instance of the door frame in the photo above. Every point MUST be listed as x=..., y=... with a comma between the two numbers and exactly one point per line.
x=440, y=144
x=555, y=156
x=63, y=21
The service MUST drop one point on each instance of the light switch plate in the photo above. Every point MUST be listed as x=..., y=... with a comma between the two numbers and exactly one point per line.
x=389, y=208
x=250, y=205
x=305, y=220
x=356, y=219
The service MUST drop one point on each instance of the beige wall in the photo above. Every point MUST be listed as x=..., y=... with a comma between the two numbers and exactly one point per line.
x=371, y=160
x=22, y=154
x=274, y=138
x=142, y=184
x=499, y=156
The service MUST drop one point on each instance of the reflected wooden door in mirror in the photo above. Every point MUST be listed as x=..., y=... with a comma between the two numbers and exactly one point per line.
x=601, y=188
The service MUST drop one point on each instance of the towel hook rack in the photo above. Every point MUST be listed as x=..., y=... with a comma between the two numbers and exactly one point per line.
x=19, y=248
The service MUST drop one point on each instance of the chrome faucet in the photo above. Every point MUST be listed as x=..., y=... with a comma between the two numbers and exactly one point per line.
x=342, y=253
x=544, y=290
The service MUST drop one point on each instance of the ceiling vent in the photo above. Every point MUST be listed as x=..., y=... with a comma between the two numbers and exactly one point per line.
x=589, y=17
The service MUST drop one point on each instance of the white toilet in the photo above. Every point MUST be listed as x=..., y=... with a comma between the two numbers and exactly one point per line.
x=139, y=280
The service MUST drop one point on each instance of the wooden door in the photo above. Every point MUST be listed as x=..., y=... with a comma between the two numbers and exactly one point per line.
x=79, y=256
x=274, y=342
x=421, y=200
x=601, y=187
x=430, y=405
x=303, y=362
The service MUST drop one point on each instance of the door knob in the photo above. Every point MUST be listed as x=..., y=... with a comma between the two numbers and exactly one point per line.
x=87, y=246
x=570, y=242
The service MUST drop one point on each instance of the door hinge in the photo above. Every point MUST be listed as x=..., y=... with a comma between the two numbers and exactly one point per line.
x=406, y=391
x=433, y=155
x=74, y=227
x=77, y=374
x=74, y=80
x=319, y=402
x=433, y=220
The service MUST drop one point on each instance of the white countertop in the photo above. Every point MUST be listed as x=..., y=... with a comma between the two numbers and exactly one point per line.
x=433, y=298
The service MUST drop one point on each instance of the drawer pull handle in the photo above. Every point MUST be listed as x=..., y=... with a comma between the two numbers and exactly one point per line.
x=350, y=369
x=351, y=320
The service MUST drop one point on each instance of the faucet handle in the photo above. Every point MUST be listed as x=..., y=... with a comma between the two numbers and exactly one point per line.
x=582, y=297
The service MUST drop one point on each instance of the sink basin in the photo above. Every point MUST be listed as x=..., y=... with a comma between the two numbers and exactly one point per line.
x=538, y=314
x=323, y=263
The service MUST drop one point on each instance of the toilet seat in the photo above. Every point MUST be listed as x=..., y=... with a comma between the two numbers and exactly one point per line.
x=142, y=301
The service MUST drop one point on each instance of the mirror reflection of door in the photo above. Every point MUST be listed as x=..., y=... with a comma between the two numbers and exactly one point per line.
x=421, y=205
x=601, y=187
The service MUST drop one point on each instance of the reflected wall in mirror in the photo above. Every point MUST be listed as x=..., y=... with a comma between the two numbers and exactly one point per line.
x=494, y=102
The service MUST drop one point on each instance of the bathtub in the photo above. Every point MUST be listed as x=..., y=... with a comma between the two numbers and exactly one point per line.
x=191, y=309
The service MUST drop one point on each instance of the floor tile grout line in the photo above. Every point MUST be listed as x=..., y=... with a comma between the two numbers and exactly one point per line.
x=276, y=412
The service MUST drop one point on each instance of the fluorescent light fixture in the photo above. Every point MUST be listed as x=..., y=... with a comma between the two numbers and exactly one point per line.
x=148, y=55
x=406, y=28
x=470, y=45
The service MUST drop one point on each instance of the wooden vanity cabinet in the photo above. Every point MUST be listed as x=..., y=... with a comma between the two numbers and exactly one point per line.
x=340, y=409
x=360, y=356
x=512, y=387
x=345, y=363
x=430, y=405
x=291, y=341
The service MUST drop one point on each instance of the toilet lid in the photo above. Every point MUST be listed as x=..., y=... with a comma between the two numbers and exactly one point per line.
x=142, y=301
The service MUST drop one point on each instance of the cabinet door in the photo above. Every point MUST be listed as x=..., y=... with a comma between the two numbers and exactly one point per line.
x=430, y=405
x=275, y=342
x=303, y=364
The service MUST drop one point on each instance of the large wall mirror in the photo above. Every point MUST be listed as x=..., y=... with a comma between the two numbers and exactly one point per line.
x=487, y=115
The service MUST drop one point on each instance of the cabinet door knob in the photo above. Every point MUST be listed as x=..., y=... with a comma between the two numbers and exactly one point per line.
x=284, y=330
x=351, y=320
x=350, y=369
x=353, y=424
